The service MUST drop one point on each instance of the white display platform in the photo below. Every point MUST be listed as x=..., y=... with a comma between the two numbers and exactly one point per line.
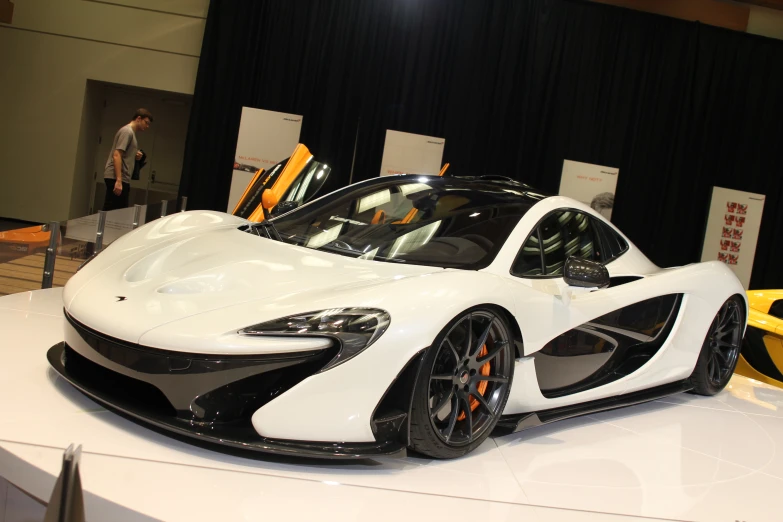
x=681, y=458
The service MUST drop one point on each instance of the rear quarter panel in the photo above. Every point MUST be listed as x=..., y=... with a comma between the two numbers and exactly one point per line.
x=543, y=315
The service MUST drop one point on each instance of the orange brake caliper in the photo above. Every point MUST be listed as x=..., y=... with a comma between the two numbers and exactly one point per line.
x=482, y=386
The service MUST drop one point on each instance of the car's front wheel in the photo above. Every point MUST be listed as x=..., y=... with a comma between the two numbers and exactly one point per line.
x=720, y=351
x=463, y=385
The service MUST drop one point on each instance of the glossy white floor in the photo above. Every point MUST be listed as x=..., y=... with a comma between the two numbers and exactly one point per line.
x=681, y=458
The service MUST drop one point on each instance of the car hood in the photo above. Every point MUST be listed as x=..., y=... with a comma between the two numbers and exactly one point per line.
x=153, y=278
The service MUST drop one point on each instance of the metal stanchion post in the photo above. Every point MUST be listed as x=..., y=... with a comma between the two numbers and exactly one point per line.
x=67, y=499
x=136, y=215
x=51, y=254
x=99, y=232
x=184, y=204
x=163, y=205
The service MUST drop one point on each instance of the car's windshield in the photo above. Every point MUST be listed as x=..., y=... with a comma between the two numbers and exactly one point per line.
x=410, y=219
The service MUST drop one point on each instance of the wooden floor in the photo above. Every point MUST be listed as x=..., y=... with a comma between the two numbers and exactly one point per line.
x=26, y=273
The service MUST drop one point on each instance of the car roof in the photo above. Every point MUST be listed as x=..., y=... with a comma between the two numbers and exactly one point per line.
x=494, y=179
x=491, y=183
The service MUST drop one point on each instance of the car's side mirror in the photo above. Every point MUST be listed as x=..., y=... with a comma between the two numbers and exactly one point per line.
x=283, y=207
x=584, y=273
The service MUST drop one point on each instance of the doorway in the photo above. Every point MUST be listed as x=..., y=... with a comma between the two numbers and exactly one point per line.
x=163, y=142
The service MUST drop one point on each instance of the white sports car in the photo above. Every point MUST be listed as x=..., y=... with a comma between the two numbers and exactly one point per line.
x=402, y=312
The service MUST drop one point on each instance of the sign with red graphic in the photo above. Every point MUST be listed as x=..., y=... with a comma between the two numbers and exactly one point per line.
x=732, y=230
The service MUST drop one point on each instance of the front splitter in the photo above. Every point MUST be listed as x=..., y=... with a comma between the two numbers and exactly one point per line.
x=234, y=437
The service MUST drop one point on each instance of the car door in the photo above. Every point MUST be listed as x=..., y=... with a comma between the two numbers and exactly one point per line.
x=304, y=187
x=762, y=348
x=292, y=182
x=583, y=339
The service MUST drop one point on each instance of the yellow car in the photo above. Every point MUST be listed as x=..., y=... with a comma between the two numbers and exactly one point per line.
x=292, y=182
x=761, y=357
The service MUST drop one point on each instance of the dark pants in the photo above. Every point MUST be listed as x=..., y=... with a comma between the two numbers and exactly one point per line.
x=111, y=201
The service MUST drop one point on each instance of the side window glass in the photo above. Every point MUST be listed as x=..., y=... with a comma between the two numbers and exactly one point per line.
x=620, y=241
x=553, y=243
x=580, y=236
x=776, y=310
x=274, y=173
x=560, y=235
x=307, y=183
x=528, y=262
x=613, y=244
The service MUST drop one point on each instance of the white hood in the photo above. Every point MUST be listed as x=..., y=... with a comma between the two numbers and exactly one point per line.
x=155, y=276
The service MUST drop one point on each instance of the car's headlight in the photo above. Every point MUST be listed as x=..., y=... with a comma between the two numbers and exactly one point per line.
x=354, y=328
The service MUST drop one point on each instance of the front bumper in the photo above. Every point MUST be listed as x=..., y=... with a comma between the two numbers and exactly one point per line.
x=205, y=397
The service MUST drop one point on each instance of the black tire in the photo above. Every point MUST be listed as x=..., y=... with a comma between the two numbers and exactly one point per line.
x=468, y=368
x=720, y=351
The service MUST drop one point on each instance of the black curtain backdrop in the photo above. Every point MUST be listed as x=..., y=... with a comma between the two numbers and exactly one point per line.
x=515, y=87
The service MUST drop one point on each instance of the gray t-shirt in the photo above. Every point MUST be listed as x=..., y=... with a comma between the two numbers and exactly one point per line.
x=124, y=140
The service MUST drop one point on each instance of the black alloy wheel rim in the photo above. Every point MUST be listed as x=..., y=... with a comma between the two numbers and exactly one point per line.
x=457, y=374
x=724, y=343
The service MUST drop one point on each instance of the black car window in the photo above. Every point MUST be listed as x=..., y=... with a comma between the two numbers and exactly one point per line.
x=560, y=235
x=613, y=244
x=776, y=309
x=528, y=261
x=307, y=183
x=552, y=240
x=411, y=219
x=270, y=178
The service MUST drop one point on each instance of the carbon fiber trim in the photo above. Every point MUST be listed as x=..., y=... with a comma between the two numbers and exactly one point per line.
x=522, y=421
x=238, y=435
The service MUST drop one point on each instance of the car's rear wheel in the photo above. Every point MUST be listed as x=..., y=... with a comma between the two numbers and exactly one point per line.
x=463, y=386
x=720, y=351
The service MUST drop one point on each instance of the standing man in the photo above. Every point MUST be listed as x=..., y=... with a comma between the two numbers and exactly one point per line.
x=124, y=153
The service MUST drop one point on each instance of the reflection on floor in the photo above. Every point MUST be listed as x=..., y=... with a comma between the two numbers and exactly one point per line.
x=18, y=506
x=25, y=273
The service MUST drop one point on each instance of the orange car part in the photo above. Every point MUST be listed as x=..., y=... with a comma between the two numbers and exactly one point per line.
x=379, y=217
x=412, y=213
x=482, y=386
x=257, y=175
x=271, y=196
x=408, y=217
x=35, y=238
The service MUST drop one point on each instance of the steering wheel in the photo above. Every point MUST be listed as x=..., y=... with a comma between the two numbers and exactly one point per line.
x=341, y=244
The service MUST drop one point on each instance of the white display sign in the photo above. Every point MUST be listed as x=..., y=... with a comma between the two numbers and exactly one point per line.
x=83, y=228
x=406, y=153
x=265, y=138
x=593, y=185
x=118, y=223
x=733, y=230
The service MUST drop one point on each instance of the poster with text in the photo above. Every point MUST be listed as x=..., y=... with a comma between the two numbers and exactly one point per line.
x=593, y=185
x=265, y=138
x=405, y=153
x=733, y=230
